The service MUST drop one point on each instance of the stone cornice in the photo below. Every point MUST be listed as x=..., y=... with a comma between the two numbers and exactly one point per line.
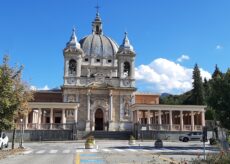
x=168, y=107
x=53, y=105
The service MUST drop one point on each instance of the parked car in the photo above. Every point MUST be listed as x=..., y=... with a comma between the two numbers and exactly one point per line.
x=3, y=140
x=191, y=136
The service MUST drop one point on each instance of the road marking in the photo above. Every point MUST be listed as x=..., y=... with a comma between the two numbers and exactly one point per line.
x=77, y=158
x=66, y=151
x=145, y=150
x=79, y=151
x=106, y=150
x=93, y=150
x=28, y=152
x=92, y=161
x=119, y=150
x=40, y=152
x=132, y=150
x=53, y=151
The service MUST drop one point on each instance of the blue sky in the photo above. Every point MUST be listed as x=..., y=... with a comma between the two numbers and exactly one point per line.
x=169, y=37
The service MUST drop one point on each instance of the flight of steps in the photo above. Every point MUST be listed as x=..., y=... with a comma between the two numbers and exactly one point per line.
x=117, y=135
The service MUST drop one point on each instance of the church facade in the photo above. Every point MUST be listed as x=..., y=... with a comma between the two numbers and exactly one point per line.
x=99, y=93
x=99, y=81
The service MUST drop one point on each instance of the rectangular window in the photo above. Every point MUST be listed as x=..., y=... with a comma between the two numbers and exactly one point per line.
x=109, y=61
x=98, y=60
x=86, y=59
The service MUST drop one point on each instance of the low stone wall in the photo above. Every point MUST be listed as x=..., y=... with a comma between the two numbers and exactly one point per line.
x=164, y=135
x=42, y=135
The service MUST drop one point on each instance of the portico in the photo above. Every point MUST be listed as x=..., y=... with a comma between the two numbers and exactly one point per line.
x=52, y=115
x=169, y=117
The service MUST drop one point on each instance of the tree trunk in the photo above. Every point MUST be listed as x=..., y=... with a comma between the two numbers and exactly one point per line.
x=13, y=137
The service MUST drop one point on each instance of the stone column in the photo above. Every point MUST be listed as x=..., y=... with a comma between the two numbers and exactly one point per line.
x=110, y=105
x=170, y=120
x=51, y=118
x=132, y=70
x=63, y=118
x=78, y=67
x=181, y=121
x=26, y=121
x=148, y=117
x=88, y=105
x=203, y=118
x=137, y=112
x=159, y=119
x=75, y=115
x=33, y=117
x=39, y=118
x=88, y=110
x=66, y=67
x=192, y=120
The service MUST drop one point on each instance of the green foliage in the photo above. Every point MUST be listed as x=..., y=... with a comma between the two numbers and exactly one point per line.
x=217, y=73
x=219, y=98
x=194, y=97
x=13, y=95
x=131, y=137
x=197, y=96
x=213, y=141
x=221, y=158
x=209, y=114
x=90, y=140
x=215, y=93
x=176, y=99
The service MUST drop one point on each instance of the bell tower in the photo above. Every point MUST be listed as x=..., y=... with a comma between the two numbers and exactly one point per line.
x=126, y=63
x=72, y=60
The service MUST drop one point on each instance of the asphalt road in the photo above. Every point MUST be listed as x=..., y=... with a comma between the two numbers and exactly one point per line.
x=106, y=151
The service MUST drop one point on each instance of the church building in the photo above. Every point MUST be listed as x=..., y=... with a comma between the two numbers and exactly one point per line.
x=98, y=92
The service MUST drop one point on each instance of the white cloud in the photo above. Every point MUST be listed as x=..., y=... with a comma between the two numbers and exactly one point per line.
x=183, y=57
x=34, y=88
x=163, y=75
x=219, y=47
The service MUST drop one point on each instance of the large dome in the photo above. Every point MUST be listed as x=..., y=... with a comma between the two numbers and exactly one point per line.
x=98, y=45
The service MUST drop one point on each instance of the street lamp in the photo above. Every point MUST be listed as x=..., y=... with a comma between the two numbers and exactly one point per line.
x=21, y=131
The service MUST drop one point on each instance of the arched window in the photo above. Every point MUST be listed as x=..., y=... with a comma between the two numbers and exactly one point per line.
x=72, y=66
x=126, y=69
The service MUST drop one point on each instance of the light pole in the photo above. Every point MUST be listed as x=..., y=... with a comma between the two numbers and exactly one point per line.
x=21, y=131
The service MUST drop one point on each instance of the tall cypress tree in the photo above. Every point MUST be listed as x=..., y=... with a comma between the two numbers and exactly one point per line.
x=217, y=73
x=198, y=89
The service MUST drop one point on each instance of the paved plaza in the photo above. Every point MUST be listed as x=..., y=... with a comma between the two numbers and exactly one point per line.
x=108, y=151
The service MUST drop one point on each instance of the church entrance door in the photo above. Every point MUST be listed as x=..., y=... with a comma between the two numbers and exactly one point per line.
x=99, y=119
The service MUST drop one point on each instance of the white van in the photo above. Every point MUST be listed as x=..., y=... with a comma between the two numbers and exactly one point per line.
x=3, y=140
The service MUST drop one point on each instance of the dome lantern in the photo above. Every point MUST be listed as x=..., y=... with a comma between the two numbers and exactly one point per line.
x=97, y=25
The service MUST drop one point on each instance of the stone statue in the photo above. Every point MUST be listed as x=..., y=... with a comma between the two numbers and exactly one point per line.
x=88, y=72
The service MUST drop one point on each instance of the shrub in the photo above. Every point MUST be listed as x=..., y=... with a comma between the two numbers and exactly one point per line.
x=221, y=158
x=158, y=143
x=132, y=137
x=90, y=140
x=213, y=141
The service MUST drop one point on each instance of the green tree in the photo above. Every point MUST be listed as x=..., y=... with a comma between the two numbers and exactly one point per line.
x=14, y=96
x=197, y=96
x=219, y=98
x=217, y=73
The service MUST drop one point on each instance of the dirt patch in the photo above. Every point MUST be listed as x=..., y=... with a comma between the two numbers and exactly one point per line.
x=8, y=152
